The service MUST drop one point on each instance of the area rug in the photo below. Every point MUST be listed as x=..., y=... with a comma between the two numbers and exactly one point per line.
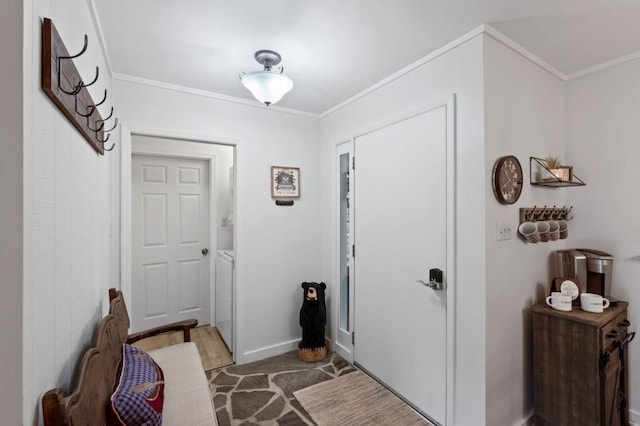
x=261, y=392
x=356, y=399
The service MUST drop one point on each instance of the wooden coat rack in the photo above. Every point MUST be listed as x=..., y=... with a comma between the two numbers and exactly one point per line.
x=62, y=82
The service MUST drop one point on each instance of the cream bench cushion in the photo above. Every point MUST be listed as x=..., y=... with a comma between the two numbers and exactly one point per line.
x=187, y=400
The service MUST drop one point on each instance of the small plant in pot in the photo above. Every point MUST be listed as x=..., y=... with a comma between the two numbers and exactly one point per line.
x=559, y=171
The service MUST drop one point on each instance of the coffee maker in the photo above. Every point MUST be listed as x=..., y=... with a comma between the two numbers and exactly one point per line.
x=592, y=269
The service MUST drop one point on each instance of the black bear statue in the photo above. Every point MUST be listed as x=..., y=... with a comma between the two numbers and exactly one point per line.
x=313, y=319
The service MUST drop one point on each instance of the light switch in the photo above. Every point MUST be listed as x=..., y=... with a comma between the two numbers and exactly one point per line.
x=504, y=231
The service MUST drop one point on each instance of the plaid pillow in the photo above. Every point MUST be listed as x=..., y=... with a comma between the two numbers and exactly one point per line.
x=139, y=393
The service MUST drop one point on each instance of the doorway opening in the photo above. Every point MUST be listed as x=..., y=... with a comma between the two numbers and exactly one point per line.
x=182, y=224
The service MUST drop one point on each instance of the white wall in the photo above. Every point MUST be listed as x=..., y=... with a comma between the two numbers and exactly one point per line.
x=277, y=248
x=67, y=213
x=458, y=71
x=524, y=116
x=603, y=145
x=11, y=113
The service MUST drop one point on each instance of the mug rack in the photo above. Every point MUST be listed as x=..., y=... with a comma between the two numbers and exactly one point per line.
x=62, y=82
x=535, y=213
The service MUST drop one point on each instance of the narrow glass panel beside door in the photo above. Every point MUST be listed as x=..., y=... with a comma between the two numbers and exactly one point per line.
x=345, y=252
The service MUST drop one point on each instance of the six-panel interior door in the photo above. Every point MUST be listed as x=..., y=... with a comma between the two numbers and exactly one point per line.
x=401, y=233
x=170, y=241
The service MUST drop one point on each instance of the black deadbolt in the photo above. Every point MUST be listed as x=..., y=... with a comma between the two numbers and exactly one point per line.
x=435, y=274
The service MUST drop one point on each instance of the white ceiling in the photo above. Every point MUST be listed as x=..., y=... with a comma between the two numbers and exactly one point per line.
x=335, y=49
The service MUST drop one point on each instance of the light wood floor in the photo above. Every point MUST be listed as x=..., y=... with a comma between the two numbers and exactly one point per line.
x=213, y=351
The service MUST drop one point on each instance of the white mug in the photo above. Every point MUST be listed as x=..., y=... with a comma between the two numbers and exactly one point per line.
x=543, y=231
x=529, y=231
x=559, y=301
x=592, y=302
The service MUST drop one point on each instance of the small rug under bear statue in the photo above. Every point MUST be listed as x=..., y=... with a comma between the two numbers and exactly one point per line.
x=313, y=318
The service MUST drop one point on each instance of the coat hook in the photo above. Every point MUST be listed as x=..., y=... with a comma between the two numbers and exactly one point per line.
x=59, y=65
x=84, y=49
x=82, y=85
x=74, y=92
x=561, y=212
x=105, y=139
x=90, y=109
x=104, y=98
x=113, y=145
x=94, y=130
x=102, y=121
x=535, y=215
x=105, y=119
x=115, y=124
x=569, y=211
x=540, y=214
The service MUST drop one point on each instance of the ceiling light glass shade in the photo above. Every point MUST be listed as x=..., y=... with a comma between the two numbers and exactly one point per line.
x=266, y=86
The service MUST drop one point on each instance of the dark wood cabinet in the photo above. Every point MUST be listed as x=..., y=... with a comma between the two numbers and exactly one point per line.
x=580, y=366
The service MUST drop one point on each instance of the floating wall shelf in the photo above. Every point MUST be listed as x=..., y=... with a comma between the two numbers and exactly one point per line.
x=540, y=175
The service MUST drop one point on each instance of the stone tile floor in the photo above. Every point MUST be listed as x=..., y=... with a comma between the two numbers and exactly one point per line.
x=261, y=393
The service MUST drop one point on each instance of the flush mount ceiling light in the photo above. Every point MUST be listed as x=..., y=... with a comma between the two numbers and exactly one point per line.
x=266, y=86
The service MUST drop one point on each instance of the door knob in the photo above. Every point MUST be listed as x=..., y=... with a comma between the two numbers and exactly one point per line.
x=435, y=279
x=205, y=251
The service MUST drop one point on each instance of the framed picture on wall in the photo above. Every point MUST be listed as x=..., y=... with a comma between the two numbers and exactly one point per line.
x=285, y=182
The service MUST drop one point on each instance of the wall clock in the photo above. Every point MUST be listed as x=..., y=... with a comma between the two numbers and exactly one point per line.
x=507, y=179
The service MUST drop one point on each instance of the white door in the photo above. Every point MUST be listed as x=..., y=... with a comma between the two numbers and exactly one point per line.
x=400, y=234
x=170, y=241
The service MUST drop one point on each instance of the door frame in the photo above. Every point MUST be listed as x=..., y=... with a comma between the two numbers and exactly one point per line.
x=449, y=103
x=344, y=147
x=127, y=150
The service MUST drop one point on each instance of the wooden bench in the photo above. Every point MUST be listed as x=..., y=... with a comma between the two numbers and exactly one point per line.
x=187, y=400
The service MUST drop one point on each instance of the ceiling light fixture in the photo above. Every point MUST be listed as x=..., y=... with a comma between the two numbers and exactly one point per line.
x=266, y=86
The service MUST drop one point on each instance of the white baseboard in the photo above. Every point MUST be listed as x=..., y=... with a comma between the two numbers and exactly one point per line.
x=268, y=351
x=273, y=350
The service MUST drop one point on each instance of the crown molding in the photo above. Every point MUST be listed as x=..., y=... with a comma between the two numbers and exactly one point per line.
x=604, y=65
x=207, y=94
x=506, y=41
x=481, y=30
x=426, y=59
